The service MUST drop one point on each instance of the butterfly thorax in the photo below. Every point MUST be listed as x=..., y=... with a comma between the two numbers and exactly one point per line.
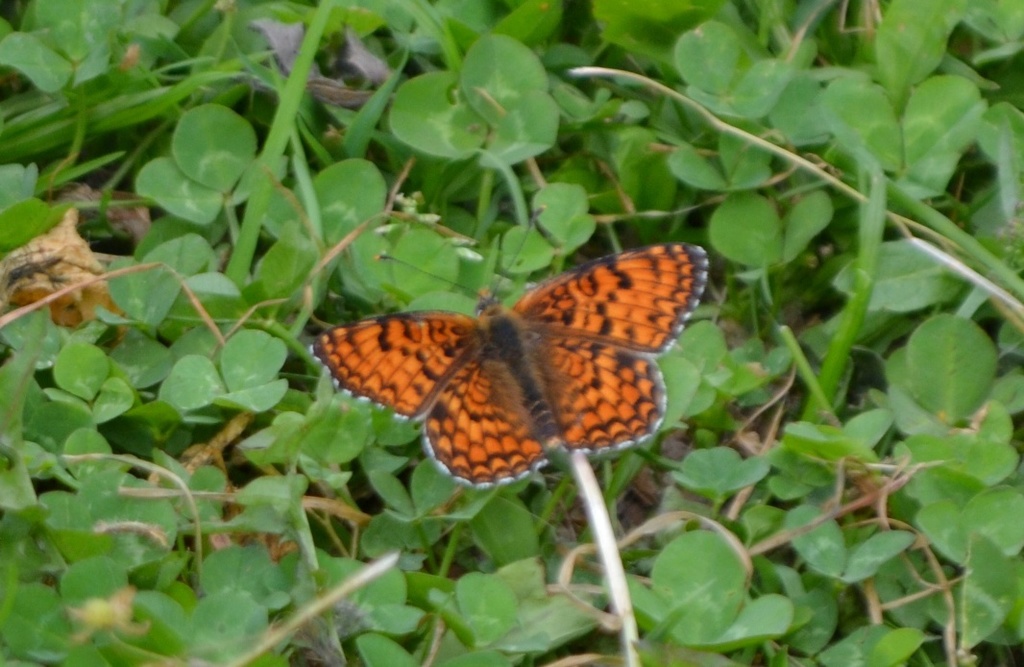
x=517, y=353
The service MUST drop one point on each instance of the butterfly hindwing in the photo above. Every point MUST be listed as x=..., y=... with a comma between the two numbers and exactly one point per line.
x=479, y=430
x=605, y=396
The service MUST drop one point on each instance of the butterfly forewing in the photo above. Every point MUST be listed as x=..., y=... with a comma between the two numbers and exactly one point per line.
x=638, y=299
x=399, y=361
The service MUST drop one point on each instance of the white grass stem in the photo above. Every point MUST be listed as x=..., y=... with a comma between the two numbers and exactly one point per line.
x=604, y=538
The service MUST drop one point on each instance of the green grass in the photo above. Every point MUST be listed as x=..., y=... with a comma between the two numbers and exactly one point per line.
x=838, y=477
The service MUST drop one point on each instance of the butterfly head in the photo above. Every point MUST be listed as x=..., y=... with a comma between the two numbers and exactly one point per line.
x=487, y=303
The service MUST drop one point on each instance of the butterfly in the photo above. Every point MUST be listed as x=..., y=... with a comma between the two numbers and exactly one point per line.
x=570, y=365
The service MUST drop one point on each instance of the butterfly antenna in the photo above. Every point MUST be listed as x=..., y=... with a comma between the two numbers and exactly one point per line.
x=465, y=253
x=532, y=224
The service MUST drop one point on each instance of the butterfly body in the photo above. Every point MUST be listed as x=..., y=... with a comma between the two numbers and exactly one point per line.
x=513, y=354
x=571, y=365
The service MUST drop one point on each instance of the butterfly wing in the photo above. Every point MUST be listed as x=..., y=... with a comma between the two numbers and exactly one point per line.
x=604, y=396
x=400, y=361
x=638, y=299
x=478, y=429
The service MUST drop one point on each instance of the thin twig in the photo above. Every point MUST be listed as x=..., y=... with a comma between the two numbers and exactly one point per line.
x=161, y=471
x=280, y=633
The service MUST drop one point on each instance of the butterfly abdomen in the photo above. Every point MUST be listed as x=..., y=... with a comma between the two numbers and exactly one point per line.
x=506, y=341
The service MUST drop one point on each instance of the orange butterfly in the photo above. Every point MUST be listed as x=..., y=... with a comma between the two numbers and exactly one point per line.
x=570, y=365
